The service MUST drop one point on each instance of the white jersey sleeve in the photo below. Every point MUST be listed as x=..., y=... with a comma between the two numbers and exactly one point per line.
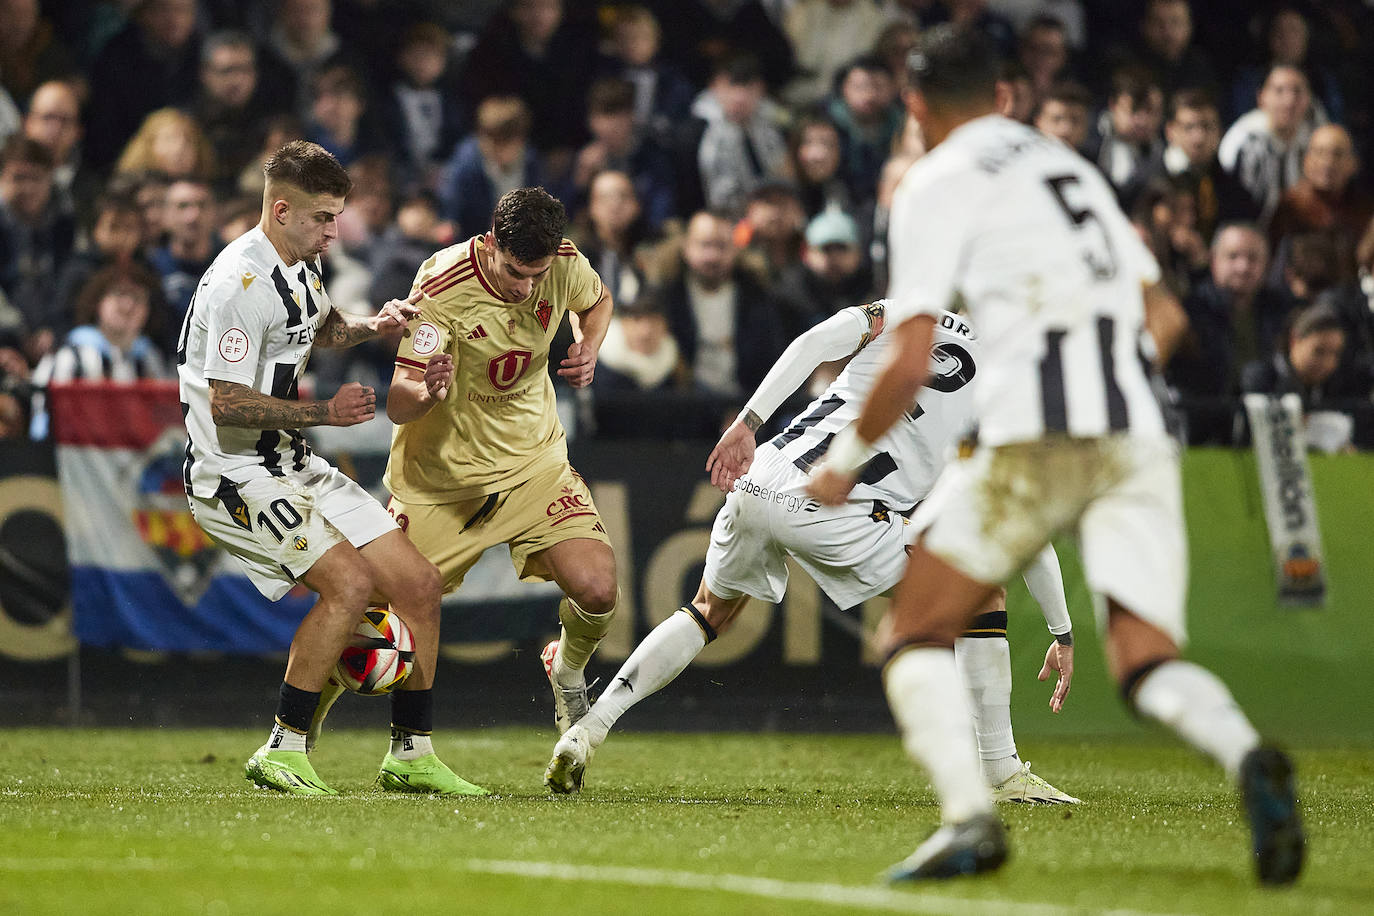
x=932, y=214
x=840, y=335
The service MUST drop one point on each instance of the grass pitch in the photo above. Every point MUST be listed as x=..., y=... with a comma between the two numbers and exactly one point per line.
x=163, y=822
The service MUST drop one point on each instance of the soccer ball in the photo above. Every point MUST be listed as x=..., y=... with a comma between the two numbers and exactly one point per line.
x=379, y=657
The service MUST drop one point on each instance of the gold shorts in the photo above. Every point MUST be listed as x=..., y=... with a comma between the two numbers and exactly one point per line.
x=547, y=509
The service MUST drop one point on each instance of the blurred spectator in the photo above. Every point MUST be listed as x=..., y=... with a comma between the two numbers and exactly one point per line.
x=1043, y=50
x=150, y=64
x=614, y=230
x=1165, y=214
x=833, y=273
x=773, y=227
x=531, y=50
x=111, y=340
x=1312, y=268
x=9, y=116
x=190, y=247
x=236, y=216
x=1165, y=45
x=279, y=130
x=421, y=110
x=1063, y=114
x=1287, y=40
x=416, y=233
x=663, y=95
x=495, y=159
x=54, y=119
x=741, y=144
x=910, y=148
x=1015, y=92
x=1068, y=12
x=171, y=142
x=1325, y=197
x=115, y=237
x=1304, y=365
x=866, y=111
x=1264, y=149
x=976, y=16
x=617, y=145
x=816, y=152
x=639, y=352
x=1233, y=319
x=369, y=209
x=339, y=118
x=700, y=35
x=16, y=393
x=895, y=43
x=36, y=238
x=232, y=104
x=721, y=316
x=1193, y=134
x=1127, y=133
x=825, y=36
x=149, y=191
x=300, y=42
x=30, y=51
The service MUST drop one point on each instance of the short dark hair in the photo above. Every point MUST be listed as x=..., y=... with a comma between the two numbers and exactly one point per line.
x=954, y=65
x=1135, y=82
x=739, y=68
x=1193, y=100
x=226, y=38
x=126, y=273
x=528, y=224
x=611, y=95
x=20, y=148
x=1316, y=319
x=1068, y=92
x=308, y=167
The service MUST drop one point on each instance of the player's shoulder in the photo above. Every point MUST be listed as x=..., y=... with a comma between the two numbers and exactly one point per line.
x=243, y=266
x=448, y=269
x=568, y=259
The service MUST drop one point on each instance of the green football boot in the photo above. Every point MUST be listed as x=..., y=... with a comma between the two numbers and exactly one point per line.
x=285, y=771
x=427, y=775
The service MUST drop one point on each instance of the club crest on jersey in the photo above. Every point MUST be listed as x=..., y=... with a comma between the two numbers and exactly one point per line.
x=315, y=282
x=299, y=543
x=543, y=311
x=426, y=339
x=505, y=370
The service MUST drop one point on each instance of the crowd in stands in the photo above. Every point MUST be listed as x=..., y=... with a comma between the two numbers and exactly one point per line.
x=727, y=166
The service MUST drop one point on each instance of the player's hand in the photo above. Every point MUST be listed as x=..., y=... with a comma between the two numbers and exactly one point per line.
x=580, y=366
x=732, y=456
x=396, y=314
x=352, y=404
x=829, y=486
x=439, y=376
x=1058, y=658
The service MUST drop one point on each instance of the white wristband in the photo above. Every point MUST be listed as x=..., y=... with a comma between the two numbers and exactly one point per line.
x=848, y=452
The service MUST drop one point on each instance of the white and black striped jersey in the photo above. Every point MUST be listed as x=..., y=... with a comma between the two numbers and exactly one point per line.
x=1029, y=235
x=913, y=452
x=252, y=320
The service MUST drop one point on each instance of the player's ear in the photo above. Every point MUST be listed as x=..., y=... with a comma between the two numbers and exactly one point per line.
x=280, y=207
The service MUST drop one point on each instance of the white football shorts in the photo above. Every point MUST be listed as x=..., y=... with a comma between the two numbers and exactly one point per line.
x=854, y=552
x=278, y=527
x=988, y=515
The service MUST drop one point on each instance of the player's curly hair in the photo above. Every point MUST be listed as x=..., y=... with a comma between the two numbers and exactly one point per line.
x=528, y=224
x=309, y=167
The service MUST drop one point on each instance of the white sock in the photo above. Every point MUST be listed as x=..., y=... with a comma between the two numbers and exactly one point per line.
x=665, y=652
x=985, y=668
x=1195, y=703
x=928, y=702
x=282, y=738
x=405, y=746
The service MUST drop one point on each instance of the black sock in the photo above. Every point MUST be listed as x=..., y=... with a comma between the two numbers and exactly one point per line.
x=296, y=707
x=413, y=711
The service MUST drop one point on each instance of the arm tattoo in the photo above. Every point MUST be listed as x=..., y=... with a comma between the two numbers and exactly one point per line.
x=751, y=421
x=340, y=330
x=233, y=404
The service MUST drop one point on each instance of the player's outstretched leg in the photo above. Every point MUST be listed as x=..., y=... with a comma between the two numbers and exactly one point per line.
x=1194, y=703
x=662, y=656
x=281, y=764
x=983, y=657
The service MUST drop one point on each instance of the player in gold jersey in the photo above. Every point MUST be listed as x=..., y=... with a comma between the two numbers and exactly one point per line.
x=478, y=457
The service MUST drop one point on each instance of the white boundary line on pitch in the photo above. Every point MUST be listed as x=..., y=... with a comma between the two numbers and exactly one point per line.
x=869, y=898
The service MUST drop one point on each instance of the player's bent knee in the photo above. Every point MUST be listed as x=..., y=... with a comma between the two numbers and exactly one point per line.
x=597, y=596
x=581, y=621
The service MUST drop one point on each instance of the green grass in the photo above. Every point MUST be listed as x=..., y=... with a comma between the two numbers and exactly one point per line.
x=163, y=822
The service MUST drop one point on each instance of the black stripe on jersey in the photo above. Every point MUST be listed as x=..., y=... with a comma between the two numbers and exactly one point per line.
x=1117, y=420
x=190, y=459
x=813, y=454
x=299, y=450
x=310, y=310
x=802, y=424
x=266, y=447
x=1052, y=384
x=185, y=334
x=878, y=467
x=293, y=311
x=284, y=384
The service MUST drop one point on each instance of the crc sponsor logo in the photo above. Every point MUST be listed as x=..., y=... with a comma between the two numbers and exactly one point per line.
x=505, y=370
x=570, y=501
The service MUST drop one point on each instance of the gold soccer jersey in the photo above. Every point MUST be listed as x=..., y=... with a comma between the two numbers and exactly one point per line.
x=498, y=426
